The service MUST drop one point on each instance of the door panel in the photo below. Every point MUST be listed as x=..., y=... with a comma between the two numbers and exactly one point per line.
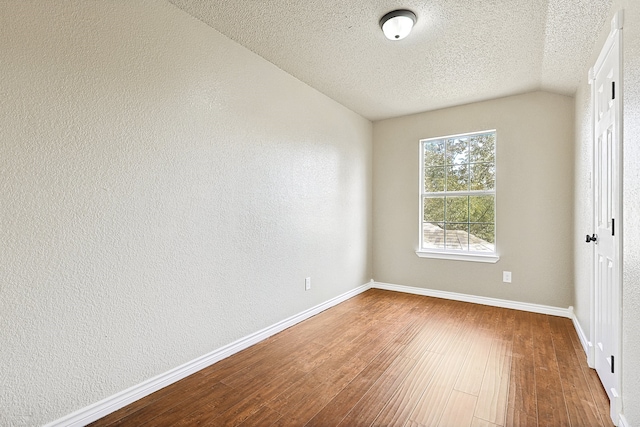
x=606, y=202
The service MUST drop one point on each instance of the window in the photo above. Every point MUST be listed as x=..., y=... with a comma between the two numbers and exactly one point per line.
x=458, y=197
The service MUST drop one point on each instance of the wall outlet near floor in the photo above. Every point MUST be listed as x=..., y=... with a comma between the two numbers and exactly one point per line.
x=506, y=276
x=307, y=283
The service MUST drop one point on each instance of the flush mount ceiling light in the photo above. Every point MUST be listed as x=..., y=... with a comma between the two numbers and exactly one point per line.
x=397, y=24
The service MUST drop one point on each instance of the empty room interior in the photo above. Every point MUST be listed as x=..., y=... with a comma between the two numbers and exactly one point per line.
x=360, y=212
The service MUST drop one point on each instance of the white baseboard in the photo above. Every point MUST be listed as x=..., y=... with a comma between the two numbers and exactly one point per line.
x=111, y=404
x=494, y=302
x=586, y=345
x=623, y=422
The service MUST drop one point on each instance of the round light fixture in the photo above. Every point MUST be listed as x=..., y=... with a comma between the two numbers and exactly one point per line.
x=397, y=24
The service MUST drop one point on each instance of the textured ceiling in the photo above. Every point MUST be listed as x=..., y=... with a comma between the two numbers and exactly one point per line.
x=460, y=51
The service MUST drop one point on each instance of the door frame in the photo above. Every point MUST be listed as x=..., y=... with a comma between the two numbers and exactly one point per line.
x=614, y=41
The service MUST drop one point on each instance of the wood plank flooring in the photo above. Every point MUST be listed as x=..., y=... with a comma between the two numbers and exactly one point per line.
x=391, y=359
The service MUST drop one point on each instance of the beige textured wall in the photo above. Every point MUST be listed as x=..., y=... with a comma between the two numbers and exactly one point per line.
x=631, y=204
x=583, y=208
x=164, y=192
x=534, y=199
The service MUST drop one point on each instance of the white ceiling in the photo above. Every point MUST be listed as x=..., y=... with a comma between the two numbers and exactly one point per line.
x=460, y=51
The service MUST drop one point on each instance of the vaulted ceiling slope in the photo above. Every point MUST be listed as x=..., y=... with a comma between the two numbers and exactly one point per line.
x=460, y=51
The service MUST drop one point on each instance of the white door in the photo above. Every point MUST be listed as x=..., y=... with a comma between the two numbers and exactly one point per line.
x=607, y=152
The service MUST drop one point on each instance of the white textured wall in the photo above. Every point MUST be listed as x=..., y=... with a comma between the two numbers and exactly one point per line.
x=163, y=192
x=534, y=194
x=631, y=273
x=631, y=202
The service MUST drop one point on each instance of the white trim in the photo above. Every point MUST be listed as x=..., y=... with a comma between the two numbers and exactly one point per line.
x=614, y=41
x=586, y=344
x=494, y=302
x=617, y=22
x=456, y=135
x=446, y=254
x=622, y=421
x=616, y=27
x=591, y=355
x=111, y=404
x=119, y=400
x=459, y=257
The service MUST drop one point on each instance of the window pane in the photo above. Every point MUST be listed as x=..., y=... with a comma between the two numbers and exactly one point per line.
x=457, y=209
x=483, y=176
x=457, y=153
x=482, y=209
x=457, y=236
x=433, y=209
x=452, y=167
x=482, y=237
x=457, y=178
x=433, y=180
x=482, y=148
x=433, y=235
x=434, y=153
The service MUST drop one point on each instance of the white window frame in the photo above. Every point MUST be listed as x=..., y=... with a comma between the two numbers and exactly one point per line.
x=457, y=255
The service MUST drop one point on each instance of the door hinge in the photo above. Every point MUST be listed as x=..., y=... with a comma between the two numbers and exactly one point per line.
x=613, y=364
x=613, y=226
x=613, y=90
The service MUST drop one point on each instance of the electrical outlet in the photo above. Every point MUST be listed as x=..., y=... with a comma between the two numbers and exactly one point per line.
x=307, y=283
x=506, y=276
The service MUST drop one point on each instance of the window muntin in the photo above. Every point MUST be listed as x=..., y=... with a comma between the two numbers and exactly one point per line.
x=457, y=206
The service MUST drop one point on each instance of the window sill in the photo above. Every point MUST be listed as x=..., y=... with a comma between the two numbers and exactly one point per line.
x=459, y=257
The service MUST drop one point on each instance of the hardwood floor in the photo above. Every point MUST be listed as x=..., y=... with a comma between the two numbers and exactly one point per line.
x=391, y=359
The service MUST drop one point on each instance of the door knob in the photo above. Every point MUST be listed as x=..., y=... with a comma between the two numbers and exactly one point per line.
x=592, y=238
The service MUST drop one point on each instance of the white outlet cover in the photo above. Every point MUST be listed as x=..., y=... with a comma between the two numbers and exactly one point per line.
x=506, y=276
